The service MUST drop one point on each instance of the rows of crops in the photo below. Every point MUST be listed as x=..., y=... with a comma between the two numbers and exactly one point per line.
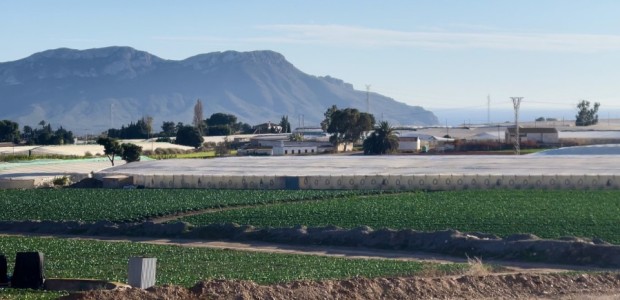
x=185, y=266
x=549, y=214
x=132, y=205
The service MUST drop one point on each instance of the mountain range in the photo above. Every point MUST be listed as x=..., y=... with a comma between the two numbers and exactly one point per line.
x=95, y=89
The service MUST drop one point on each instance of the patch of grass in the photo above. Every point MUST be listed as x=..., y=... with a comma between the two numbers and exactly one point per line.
x=72, y=258
x=523, y=151
x=27, y=294
x=548, y=214
x=26, y=157
x=203, y=154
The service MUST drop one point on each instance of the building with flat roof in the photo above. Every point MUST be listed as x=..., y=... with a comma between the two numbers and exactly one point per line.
x=543, y=135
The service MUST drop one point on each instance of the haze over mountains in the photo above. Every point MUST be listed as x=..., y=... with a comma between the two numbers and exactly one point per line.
x=93, y=89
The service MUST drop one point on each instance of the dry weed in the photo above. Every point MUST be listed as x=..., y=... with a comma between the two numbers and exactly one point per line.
x=476, y=267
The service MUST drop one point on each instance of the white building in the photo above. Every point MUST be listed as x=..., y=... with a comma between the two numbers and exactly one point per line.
x=414, y=141
x=545, y=135
x=280, y=145
x=312, y=134
x=409, y=143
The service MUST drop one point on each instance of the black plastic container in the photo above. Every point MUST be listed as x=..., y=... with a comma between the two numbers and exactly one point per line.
x=29, y=271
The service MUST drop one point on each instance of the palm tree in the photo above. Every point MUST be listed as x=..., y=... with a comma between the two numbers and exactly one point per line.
x=382, y=141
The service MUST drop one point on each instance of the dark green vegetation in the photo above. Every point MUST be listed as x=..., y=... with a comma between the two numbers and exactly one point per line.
x=587, y=116
x=548, y=214
x=6, y=294
x=9, y=132
x=189, y=136
x=346, y=125
x=134, y=205
x=381, y=141
x=185, y=266
x=18, y=157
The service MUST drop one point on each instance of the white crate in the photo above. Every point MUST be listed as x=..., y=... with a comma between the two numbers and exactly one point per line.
x=141, y=272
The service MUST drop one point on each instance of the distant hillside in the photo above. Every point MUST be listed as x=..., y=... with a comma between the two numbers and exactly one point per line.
x=87, y=90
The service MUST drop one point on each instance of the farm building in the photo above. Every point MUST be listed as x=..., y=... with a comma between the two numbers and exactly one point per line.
x=267, y=128
x=280, y=145
x=312, y=134
x=544, y=135
x=414, y=141
x=409, y=143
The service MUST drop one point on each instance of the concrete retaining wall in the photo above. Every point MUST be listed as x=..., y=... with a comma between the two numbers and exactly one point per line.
x=17, y=183
x=210, y=182
x=435, y=182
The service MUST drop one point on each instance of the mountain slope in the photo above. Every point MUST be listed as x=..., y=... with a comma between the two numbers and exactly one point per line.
x=93, y=89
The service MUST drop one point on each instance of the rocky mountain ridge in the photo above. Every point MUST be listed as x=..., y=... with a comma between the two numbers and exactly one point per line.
x=95, y=89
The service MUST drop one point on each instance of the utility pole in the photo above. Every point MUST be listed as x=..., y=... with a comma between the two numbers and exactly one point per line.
x=368, y=98
x=489, y=109
x=516, y=103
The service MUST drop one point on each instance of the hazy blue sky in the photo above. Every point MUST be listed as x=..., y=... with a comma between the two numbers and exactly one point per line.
x=444, y=55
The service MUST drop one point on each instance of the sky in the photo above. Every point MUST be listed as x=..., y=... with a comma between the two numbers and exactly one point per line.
x=447, y=56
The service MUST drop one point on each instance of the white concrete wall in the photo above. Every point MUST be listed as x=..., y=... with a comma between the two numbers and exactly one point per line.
x=296, y=150
x=409, y=145
x=435, y=182
x=542, y=137
x=17, y=183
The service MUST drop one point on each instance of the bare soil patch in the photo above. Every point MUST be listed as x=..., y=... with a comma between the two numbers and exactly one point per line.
x=513, y=286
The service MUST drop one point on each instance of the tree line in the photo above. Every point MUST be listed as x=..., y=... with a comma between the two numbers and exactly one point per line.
x=43, y=135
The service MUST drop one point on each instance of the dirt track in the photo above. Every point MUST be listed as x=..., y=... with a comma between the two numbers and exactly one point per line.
x=517, y=280
x=510, y=267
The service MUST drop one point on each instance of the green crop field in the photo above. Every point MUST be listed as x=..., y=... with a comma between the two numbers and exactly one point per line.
x=133, y=205
x=18, y=294
x=72, y=258
x=549, y=214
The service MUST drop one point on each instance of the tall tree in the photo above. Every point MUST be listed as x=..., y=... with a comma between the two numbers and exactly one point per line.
x=347, y=125
x=9, y=131
x=28, y=134
x=381, y=141
x=147, y=125
x=285, y=124
x=111, y=147
x=131, y=152
x=328, y=117
x=198, y=117
x=221, y=119
x=189, y=136
x=168, y=129
x=586, y=116
x=221, y=124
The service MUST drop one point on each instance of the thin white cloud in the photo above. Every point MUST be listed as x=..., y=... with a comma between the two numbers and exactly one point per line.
x=342, y=35
x=369, y=37
x=193, y=39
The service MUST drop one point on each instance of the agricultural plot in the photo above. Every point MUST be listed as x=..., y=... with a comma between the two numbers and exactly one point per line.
x=18, y=294
x=548, y=214
x=134, y=205
x=185, y=266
